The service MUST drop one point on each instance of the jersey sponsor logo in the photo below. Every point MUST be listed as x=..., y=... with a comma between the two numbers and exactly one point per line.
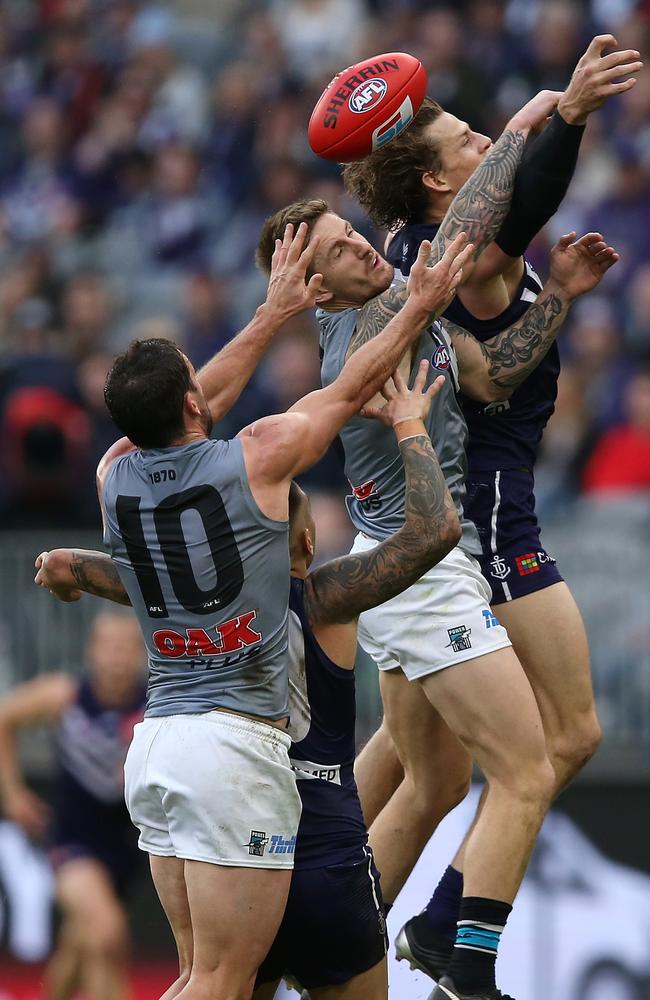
x=231, y=636
x=528, y=563
x=544, y=557
x=368, y=495
x=490, y=619
x=499, y=568
x=367, y=95
x=496, y=408
x=325, y=772
x=440, y=358
x=257, y=843
x=459, y=638
x=282, y=845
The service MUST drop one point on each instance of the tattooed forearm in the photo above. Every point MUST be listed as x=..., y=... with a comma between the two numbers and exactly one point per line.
x=339, y=591
x=512, y=355
x=97, y=574
x=481, y=205
x=376, y=314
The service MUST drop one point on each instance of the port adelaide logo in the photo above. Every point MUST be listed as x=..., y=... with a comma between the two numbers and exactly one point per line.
x=367, y=95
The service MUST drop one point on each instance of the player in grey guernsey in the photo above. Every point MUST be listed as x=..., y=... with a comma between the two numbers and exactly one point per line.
x=198, y=529
x=445, y=619
x=323, y=941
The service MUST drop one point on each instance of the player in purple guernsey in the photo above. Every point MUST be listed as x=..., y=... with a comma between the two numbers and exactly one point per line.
x=90, y=837
x=333, y=932
x=407, y=187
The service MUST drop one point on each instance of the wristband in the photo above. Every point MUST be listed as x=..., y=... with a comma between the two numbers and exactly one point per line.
x=402, y=420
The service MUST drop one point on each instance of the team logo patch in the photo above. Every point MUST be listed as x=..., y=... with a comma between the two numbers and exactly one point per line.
x=365, y=491
x=440, y=358
x=367, y=95
x=490, y=620
x=527, y=563
x=459, y=638
x=499, y=568
x=257, y=843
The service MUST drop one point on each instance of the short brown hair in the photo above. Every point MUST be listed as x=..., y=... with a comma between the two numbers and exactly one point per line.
x=308, y=210
x=388, y=183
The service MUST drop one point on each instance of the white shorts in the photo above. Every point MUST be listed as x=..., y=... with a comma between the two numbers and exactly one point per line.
x=213, y=787
x=443, y=619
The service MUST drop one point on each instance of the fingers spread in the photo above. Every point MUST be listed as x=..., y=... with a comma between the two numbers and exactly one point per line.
x=421, y=377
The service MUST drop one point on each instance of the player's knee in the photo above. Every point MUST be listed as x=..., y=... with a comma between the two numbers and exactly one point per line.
x=529, y=779
x=574, y=747
x=457, y=783
x=107, y=938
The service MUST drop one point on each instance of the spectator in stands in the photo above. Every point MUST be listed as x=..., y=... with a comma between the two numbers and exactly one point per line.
x=620, y=462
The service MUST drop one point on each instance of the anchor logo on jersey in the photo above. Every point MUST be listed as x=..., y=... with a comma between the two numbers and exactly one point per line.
x=499, y=568
x=440, y=358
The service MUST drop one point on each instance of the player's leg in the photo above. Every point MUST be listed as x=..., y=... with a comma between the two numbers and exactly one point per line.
x=95, y=918
x=549, y=637
x=373, y=983
x=63, y=972
x=489, y=704
x=235, y=914
x=377, y=772
x=437, y=772
x=168, y=874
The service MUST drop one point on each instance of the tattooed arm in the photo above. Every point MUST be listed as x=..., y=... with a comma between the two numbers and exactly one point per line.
x=67, y=573
x=340, y=590
x=479, y=210
x=493, y=369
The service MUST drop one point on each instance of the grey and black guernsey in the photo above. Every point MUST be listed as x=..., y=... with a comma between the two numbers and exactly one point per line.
x=373, y=463
x=208, y=576
x=502, y=435
x=321, y=726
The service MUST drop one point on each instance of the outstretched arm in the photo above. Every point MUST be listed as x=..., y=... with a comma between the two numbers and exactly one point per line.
x=226, y=375
x=68, y=573
x=495, y=368
x=341, y=589
x=549, y=160
x=478, y=210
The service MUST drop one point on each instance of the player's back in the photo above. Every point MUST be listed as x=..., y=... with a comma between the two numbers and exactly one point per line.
x=208, y=576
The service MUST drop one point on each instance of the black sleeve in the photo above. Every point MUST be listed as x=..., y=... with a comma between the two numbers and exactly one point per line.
x=541, y=182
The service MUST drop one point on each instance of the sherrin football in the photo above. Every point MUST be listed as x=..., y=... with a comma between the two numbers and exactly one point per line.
x=366, y=105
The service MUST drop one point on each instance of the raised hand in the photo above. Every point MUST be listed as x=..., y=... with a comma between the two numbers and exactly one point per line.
x=577, y=266
x=434, y=287
x=597, y=77
x=289, y=292
x=403, y=403
x=534, y=114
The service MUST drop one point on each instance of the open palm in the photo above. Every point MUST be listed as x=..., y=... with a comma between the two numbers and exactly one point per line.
x=579, y=265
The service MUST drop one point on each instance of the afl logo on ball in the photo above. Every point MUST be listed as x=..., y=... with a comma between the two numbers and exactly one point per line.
x=367, y=95
x=440, y=358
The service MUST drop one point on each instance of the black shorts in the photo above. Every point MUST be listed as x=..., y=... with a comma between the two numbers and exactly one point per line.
x=333, y=928
x=514, y=561
x=123, y=862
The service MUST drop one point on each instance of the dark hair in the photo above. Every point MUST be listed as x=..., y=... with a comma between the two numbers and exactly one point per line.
x=388, y=183
x=144, y=392
x=308, y=210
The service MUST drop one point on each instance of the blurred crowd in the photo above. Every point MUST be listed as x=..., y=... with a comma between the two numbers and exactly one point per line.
x=143, y=144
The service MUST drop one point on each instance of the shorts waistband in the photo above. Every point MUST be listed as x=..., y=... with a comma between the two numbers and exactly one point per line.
x=239, y=723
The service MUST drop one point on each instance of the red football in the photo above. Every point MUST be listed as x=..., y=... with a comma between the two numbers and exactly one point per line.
x=366, y=105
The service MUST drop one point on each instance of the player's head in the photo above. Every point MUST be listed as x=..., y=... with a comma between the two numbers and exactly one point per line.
x=352, y=270
x=302, y=529
x=421, y=170
x=115, y=653
x=153, y=396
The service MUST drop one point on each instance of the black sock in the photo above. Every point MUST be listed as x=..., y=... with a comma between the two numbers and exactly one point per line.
x=480, y=924
x=443, y=907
